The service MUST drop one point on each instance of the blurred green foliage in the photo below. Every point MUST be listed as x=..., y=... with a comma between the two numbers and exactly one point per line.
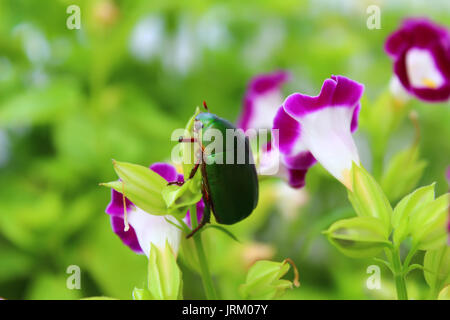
x=72, y=100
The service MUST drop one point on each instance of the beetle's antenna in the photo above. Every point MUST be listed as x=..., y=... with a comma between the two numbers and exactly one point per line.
x=205, y=105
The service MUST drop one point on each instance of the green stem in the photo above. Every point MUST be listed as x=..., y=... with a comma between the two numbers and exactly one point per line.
x=204, y=270
x=409, y=257
x=377, y=166
x=399, y=275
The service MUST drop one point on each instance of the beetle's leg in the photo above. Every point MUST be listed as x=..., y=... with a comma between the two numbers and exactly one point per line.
x=178, y=183
x=183, y=139
x=196, y=229
x=206, y=213
x=194, y=170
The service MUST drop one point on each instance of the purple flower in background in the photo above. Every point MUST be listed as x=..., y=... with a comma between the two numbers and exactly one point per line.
x=262, y=99
x=320, y=128
x=261, y=103
x=145, y=228
x=291, y=168
x=421, y=53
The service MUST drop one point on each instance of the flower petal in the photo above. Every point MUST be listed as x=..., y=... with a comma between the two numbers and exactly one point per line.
x=129, y=237
x=154, y=229
x=302, y=160
x=293, y=168
x=146, y=228
x=398, y=91
x=115, y=206
x=327, y=122
x=286, y=133
x=200, y=210
x=167, y=171
x=296, y=178
x=262, y=99
x=337, y=92
x=421, y=53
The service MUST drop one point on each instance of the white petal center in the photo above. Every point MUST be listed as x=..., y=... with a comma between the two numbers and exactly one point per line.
x=265, y=108
x=326, y=133
x=269, y=162
x=421, y=69
x=154, y=229
x=398, y=91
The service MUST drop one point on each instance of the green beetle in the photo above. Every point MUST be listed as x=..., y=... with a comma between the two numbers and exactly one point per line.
x=229, y=188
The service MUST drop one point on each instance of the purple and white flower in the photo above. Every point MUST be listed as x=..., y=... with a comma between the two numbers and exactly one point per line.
x=291, y=168
x=261, y=100
x=144, y=228
x=421, y=53
x=261, y=103
x=320, y=128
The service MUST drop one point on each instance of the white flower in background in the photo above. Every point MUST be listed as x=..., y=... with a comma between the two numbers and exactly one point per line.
x=212, y=30
x=147, y=38
x=34, y=43
x=269, y=39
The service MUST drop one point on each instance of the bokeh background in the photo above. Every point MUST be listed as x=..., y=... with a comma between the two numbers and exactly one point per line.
x=71, y=100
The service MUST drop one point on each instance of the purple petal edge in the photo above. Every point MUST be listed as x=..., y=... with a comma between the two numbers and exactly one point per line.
x=115, y=206
x=338, y=91
x=129, y=237
x=289, y=131
x=200, y=210
x=296, y=178
x=167, y=171
x=259, y=85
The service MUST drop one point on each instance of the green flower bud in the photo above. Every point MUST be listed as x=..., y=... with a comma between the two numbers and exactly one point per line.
x=359, y=237
x=264, y=280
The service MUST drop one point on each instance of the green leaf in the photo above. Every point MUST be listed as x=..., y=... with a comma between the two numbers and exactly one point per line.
x=142, y=186
x=368, y=198
x=220, y=228
x=444, y=294
x=264, y=280
x=48, y=286
x=407, y=207
x=413, y=267
x=359, y=237
x=429, y=224
x=437, y=268
x=141, y=294
x=403, y=173
x=164, y=276
x=178, y=199
x=41, y=105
